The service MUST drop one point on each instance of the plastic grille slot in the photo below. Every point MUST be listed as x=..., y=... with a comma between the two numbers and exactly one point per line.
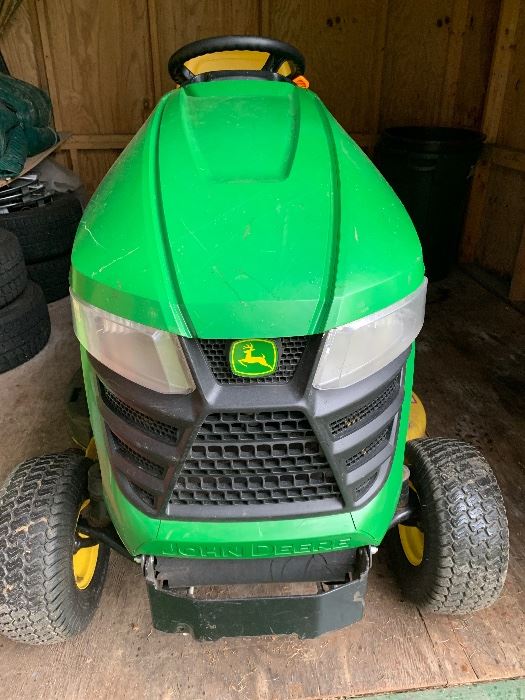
x=145, y=496
x=346, y=425
x=131, y=415
x=370, y=450
x=250, y=459
x=365, y=485
x=290, y=353
x=136, y=459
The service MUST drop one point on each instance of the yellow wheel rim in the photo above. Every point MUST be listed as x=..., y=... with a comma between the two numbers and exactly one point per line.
x=413, y=543
x=85, y=560
x=412, y=539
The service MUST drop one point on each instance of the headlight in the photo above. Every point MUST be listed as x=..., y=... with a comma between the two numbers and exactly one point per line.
x=361, y=348
x=146, y=356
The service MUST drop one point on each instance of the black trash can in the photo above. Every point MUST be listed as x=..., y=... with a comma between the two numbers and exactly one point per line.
x=429, y=168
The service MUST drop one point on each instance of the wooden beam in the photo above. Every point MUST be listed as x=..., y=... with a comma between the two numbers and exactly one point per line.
x=155, y=50
x=377, y=74
x=97, y=142
x=105, y=142
x=37, y=45
x=75, y=163
x=48, y=64
x=511, y=158
x=499, y=73
x=517, y=285
x=501, y=65
x=475, y=211
x=457, y=29
x=265, y=22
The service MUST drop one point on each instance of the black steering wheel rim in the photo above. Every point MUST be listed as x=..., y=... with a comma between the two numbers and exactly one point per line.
x=278, y=52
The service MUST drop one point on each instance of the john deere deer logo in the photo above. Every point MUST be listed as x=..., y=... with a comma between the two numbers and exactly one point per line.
x=253, y=358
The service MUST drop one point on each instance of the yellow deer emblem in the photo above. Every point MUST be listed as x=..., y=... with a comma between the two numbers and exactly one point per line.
x=251, y=359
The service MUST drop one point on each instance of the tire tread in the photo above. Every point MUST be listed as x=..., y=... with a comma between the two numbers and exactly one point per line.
x=467, y=570
x=37, y=506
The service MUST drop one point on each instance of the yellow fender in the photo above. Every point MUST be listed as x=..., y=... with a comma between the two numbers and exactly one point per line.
x=91, y=450
x=417, y=421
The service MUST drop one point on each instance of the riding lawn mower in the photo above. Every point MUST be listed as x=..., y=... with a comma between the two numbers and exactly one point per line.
x=247, y=291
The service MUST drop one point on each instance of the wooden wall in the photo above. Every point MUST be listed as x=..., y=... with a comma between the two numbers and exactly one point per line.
x=375, y=63
x=495, y=228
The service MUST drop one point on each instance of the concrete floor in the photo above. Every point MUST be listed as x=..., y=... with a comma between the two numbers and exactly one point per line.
x=471, y=375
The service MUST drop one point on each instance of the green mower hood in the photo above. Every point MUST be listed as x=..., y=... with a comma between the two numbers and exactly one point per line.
x=243, y=209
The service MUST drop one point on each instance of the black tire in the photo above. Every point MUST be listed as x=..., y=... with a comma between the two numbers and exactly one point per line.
x=48, y=231
x=466, y=536
x=52, y=276
x=24, y=327
x=40, y=602
x=13, y=273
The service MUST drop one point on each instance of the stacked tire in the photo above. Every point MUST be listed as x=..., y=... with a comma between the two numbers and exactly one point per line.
x=46, y=235
x=24, y=318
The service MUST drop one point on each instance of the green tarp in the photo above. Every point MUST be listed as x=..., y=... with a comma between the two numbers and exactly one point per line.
x=25, y=116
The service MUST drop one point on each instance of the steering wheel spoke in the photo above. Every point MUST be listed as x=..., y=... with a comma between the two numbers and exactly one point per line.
x=273, y=63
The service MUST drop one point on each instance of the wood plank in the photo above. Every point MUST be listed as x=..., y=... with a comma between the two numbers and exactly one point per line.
x=92, y=166
x=37, y=46
x=178, y=23
x=512, y=125
x=517, y=285
x=475, y=211
x=17, y=44
x=415, y=62
x=94, y=142
x=98, y=63
x=49, y=65
x=63, y=158
x=155, y=49
x=474, y=70
x=75, y=163
x=343, y=44
x=99, y=141
x=492, y=230
x=457, y=28
x=507, y=158
x=502, y=222
x=501, y=65
x=377, y=78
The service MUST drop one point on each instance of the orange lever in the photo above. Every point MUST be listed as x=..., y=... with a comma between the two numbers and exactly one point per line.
x=301, y=82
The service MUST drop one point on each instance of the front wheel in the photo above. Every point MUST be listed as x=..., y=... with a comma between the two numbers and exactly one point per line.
x=50, y=579
x=452, y=557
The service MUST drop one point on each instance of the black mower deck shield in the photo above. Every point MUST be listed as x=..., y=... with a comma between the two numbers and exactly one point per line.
x=334, y=606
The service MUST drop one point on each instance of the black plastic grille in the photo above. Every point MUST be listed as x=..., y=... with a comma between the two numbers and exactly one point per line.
x=131, y=415
x=136, y=459
x=240, y=459
x=367, y=452
x=344, y=426
x=144, y=496
x=365, y=485
x=290, y=353
x=255, y=427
